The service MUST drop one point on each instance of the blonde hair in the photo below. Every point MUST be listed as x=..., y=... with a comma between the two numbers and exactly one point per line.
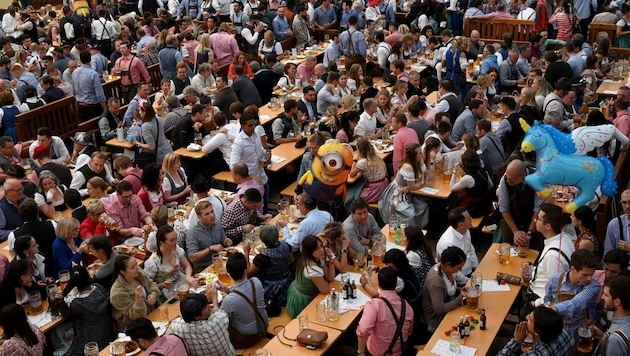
x=529, y=97
x=169, y=161
x=204, y=43
x=350, y=102
x=66, y=227
x=94, y=205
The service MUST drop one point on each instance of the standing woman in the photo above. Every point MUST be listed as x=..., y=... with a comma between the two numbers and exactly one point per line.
x=68, y=249
x=175, y=182
x=90, y=311
x=21, y=337
x=373, y=168
x=313, y=274
x=151, y=194
x=133, y=294
x=441, y=290
x=456, y=63
x=409, y=208
x=584, y=220
x=9, y=112
x=623, y=27
x=474, y=187
x=153, y=138
x=169, y=267
x=203, y=52
x=565, y=17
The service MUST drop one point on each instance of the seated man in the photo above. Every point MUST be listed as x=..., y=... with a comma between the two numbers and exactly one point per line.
x=361, y=227
x=142, y=331
x=545, y=324
x=8, y=156
x=458, y=235
x=95, y=168
x=206, y=238
x=58, y=151
x=285, y=127
x=618, y=231
x=9, y=216
x=314, y=221
x=244, y=182
x=203, y=326
x=578, y=285
x=124, y=166
x=131, y=217
x=247, y=325
x=83, y=148
x=241, y=215
x=377, y=322
x=60, y=170
x=615, y=261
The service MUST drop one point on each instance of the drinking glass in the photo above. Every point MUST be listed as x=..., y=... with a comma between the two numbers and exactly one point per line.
x=303, y=320
x=224, y=276
x=477, y=281
x=35, y=301
x=528, y=343
x=526, y=273
x=183, y=290
x=585, y=339
x=164, y=314
x=455, y=341
x=472, y=298
x=291, y=213
x=523, y=250
x=64, y=278
x=321, y=311
x=393, y=225
x=283, y=208
x=504, y=254
x=91, y=349
x=262, y=352
x=359, y=261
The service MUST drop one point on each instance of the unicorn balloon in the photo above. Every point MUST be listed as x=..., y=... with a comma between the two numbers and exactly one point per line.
x=560, y=160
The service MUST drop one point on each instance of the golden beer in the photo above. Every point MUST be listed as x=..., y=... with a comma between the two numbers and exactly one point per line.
x=504, y=259
x=472, y=302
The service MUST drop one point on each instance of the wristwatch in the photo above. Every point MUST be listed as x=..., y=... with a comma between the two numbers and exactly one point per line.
x=344, y=250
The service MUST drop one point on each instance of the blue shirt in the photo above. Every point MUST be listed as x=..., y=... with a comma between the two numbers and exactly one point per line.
x=577, y=64
x=489, y=62
x=143, y=43
x=87, y=85
x=27, y=78
x=613, y=344
x=585, y=299
x=332, y=54
x=346, y=15
x=612, y=233
x=358, y=45
x=388, y=11
x=312, y=224
x=191, y=11
x=324, y=17
x=280, y=27
x=99, y=64
x=583, y=8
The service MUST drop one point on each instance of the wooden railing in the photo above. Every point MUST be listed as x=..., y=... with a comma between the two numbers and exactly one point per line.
x=605, y=210
x=494, y=29
x=156, y=76
x=61, y=117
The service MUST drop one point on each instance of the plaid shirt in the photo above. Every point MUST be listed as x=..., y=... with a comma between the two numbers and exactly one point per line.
x=562, y=345
x=150, y=58
x=234, y=217
x=205, y=337
x=132, y=215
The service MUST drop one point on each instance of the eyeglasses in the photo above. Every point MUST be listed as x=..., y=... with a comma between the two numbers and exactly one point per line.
x=623, y=202
x=21, y=189
x=543, y=221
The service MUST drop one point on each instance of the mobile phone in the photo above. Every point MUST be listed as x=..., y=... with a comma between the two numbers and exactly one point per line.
x=172, y=301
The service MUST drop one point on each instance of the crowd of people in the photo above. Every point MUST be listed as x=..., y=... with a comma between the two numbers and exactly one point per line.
x=220, y=61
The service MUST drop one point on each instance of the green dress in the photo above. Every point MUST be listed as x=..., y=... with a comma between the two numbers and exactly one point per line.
x=302, y=290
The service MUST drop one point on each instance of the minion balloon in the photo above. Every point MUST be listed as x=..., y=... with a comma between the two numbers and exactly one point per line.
x=326, y=180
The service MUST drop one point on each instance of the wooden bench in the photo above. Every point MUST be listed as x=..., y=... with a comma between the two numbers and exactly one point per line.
x=595, y=28
x=288, y=43
x=113, y=89
x=156, y=76
x=252, y=349
x=289, y=192
x=491, y=31
x=281, y=320
x=61, y=117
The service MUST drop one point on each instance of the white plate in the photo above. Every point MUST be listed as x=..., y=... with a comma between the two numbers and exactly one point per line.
x=389, y=148
x=128, y=353
x=134, y=241
x=160, y=327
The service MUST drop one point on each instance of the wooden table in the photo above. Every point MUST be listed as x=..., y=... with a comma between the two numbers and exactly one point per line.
x=345, y=320
x=432, y=98
x=275, y=347
x=443, y=188
x=609, y=88
x=287, y=150
x=267, y=114
x=185, y=153
x=496, y=304
x=125, y=144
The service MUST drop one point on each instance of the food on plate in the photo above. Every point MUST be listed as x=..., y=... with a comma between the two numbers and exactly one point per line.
x=211, y=278
x=131, y=346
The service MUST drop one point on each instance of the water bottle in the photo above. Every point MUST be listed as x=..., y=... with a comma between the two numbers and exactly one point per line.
x=333, y=306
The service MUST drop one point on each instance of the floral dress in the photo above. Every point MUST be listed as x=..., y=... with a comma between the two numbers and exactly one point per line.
x=302, y=291
x=376, y=180
x=16, y=346
x=588, y=235
x=409, y=208
x=159, y=273
x=274, y=272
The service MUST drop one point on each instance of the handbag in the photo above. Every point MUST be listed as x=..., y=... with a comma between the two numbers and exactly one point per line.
x=143, y=158
x=307, y=337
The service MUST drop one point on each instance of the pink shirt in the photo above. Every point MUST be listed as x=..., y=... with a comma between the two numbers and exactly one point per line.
x=393, y=38
x=129, y=216
x=243, y=187
x=375, y=313
x=136, y=69
x=429, y=116
x=498, y=15
x=404, y=137
x=224, y=46
x=622, y=122
x=303, y=70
